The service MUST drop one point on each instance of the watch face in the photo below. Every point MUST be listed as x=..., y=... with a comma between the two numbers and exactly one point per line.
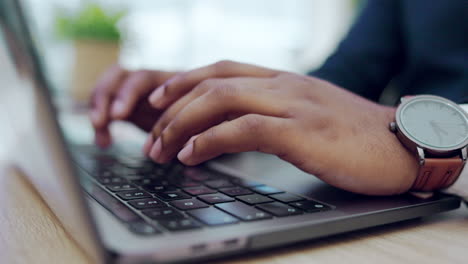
x=434, y=123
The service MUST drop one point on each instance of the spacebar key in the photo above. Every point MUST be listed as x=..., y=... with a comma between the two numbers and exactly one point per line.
x=243, y=211
x=110, y=203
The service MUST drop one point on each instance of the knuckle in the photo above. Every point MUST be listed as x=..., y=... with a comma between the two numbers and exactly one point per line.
x=223, y=66
x=224, y=91
x=290, y=111
x=141, y=74
x=286, y=75
x=180, y=77
x=211, y=135
x=207, y=84
x=173, y=126
x=199, y=90
x=252, y=123
x=162, y=123
x=296, y=78
x=165, y=134
x=136, y=77
x=101, y=96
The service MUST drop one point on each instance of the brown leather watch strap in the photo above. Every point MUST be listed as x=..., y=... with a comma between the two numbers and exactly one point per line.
x=438, y=173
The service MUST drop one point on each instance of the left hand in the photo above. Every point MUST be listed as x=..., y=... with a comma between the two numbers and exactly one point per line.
x=320, y=128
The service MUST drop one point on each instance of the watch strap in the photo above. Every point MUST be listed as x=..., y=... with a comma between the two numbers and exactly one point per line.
x=438, y=173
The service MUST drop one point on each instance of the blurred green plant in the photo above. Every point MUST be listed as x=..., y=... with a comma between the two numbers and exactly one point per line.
x=92, y=22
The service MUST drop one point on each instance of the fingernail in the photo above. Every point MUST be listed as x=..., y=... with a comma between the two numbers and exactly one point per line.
x=147, y=146
x=118, y=108
x=155, y=98
x=185, y=154
x=156, y=150
x=191, y=140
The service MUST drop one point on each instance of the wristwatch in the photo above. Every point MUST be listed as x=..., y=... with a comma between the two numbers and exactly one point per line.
x=436, y=130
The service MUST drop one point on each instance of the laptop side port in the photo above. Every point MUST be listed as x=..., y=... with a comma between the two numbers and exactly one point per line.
x=199, y=248
x=231, y=243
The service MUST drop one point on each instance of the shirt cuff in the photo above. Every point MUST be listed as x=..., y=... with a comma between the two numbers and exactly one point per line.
x=460, y=187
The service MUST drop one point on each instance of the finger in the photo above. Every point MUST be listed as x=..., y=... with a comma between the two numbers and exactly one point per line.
x=102, y=137
x=247, y=133
x=196, y=92
x=212, y=108
x=147, y=145
x=136, y=86
x=182, y=83
x=103, y=93
x=169, y=114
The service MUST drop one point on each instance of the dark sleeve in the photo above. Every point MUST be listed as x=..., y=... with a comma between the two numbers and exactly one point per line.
x=371, y=54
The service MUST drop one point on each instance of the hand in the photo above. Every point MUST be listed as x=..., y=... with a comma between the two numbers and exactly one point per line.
x=123, y=95
x=320, y=128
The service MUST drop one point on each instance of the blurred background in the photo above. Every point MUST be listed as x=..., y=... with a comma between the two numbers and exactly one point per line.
x=79, y=38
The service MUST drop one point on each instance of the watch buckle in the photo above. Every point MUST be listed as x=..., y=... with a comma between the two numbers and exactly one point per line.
x=464, y=154
x=421, y=156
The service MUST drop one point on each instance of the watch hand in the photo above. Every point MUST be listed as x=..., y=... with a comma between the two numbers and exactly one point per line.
x=445, y=123
x=436, y=130
x=436, y=126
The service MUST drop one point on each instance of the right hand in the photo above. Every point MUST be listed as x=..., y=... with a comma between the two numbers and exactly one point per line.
x=123, y=95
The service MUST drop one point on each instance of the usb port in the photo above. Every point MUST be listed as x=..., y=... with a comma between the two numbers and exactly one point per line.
x=199, y=247
x=231, y=242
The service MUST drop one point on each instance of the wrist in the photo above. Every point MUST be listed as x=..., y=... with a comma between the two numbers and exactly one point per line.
x=404, y=163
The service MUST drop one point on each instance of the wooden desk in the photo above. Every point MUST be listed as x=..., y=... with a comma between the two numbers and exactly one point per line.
x=30, y=233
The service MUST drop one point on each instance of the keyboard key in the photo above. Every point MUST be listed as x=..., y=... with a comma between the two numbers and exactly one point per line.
x=148, y=181
x=266, y=190
x=216, y=184
x=132, y=195
x=286, y=197
x=188, y=204
x=104, y=158
x=157, y=172
x=184, y=183
x=133, y=177
x=246, y=183
x=154, y=188
x=179, y=224
x=310, y=206
x=103, y=173
x=110, y=180
x=235, y=191
x=213, y=216
x=279, y=209
x=147, y=203
x=162, y=213
x=117, y=187
x=173, y=195
x=123, y=171
x=116, y=207
x=254, y=199
x=195, y=191
x=133, y=163
x=142, y=228
x=197, y=174
x=243, y=211
x=215, y=198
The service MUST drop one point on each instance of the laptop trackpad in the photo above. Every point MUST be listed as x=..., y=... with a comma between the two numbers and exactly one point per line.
x=267, y=169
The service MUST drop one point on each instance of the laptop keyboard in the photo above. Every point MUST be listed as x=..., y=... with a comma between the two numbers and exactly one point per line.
x=152, y=198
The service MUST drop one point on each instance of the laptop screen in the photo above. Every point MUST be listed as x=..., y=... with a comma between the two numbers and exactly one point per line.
x=30, y=133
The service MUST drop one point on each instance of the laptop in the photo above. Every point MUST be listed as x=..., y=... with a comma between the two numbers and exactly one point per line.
x=121, y=207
